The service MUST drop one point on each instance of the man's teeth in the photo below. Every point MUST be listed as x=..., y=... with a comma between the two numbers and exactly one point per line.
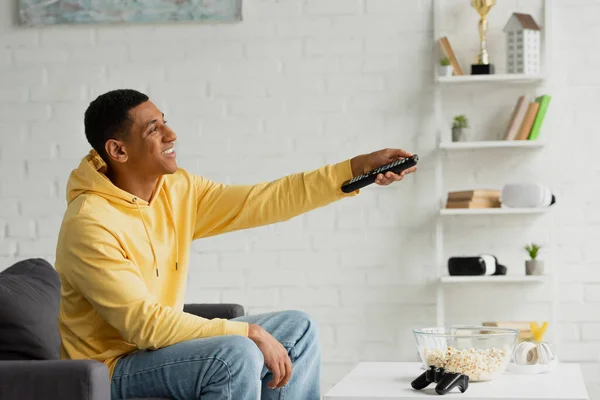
x=168, y=151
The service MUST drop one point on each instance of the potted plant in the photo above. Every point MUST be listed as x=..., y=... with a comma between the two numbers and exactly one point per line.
x=460, y=125
x=445, y=67
x=534, y=266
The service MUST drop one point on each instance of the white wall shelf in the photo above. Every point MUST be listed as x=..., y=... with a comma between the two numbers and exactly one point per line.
x=488, y=83
x=492, y=144
x=492, y=211
x=501, y=78
x=495, y=279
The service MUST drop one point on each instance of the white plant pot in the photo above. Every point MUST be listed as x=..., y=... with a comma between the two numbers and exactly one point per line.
x=446, y=70
x=534, y=267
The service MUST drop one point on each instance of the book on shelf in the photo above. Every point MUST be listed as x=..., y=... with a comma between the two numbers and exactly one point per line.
x=475, y=198
x=474, y=193
x=527, y=117
x=543, y=101
x=447, y=49
x=524, y=328
x=516, y=118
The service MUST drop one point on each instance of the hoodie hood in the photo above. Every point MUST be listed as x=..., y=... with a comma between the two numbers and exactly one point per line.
x=90, y=178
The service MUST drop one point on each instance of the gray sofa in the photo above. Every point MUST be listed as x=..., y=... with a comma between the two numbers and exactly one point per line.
x=30, y=367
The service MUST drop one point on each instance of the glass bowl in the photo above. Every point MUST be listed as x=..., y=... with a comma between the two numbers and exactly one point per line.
x=481, y=352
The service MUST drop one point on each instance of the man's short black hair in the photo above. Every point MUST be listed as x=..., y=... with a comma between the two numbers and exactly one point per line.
x=107, y=117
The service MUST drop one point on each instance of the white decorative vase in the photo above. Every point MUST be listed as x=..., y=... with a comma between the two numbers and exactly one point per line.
x=534, y=267
x=446, y=70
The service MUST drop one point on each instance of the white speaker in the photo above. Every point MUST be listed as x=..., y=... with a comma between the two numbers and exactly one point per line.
x=526, y=195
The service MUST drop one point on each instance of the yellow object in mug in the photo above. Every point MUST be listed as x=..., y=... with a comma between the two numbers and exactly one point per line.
x=538, y=331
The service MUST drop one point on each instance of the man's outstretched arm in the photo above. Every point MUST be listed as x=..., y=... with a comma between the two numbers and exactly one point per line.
x=96, y=266
x=223, y=208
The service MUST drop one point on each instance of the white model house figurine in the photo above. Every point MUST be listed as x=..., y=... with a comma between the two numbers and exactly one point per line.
x=523, y=43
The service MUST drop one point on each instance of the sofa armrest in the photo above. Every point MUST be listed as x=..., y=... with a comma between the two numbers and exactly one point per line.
x=54, y=380
x=210, y=311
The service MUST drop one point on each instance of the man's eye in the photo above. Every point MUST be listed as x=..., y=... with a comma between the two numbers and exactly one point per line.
x=165, y=122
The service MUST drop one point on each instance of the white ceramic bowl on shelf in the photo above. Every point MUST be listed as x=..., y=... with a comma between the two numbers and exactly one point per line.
x=481, y=352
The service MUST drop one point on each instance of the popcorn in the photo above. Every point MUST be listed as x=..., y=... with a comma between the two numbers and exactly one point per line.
x=478, y=364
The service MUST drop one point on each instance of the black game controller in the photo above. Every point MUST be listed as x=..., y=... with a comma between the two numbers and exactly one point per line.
x=446, y=381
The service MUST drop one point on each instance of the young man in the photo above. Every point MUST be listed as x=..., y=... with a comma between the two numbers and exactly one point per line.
x=122, y=257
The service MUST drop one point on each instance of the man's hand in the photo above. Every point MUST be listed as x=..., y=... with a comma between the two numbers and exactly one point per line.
x=368, y=162
x=276, y=357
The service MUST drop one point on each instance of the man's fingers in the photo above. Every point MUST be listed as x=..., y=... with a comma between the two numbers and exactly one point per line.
x=284, y=373
x=405, y=172
x=288, y=371
x=391, y=177
x=282, y=377
x=276, y=376
x=382, y=180
x=397, y=153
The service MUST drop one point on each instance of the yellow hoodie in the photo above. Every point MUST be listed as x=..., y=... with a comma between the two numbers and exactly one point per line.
x=123, y=262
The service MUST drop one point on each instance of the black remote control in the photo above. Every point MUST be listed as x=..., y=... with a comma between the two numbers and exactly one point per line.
x=363, y=180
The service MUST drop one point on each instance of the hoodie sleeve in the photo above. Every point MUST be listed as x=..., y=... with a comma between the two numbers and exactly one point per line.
x=224, y=208
x=98, y=269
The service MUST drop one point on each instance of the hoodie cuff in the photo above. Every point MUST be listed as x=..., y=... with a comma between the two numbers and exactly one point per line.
x=235, y=328
x=342, y=172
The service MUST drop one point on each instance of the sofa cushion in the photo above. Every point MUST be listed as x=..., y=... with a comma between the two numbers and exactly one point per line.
x=29, y=305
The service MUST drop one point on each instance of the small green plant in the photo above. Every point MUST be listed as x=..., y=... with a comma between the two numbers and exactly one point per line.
x=445, y=61
x=460, y=121
x=532, y=249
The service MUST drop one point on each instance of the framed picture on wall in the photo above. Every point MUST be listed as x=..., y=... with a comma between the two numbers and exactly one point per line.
x=58, y=12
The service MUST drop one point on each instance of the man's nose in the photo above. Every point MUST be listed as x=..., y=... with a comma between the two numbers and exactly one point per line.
x=171, y=136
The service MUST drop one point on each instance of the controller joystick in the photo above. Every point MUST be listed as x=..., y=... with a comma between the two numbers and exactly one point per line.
x=446, y=381
x=432, y=374
x=452, y=380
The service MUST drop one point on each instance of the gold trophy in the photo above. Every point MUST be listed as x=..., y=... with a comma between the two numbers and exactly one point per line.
x=482, y=66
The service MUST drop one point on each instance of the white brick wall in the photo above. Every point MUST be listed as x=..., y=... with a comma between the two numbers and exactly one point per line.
x=298, y=84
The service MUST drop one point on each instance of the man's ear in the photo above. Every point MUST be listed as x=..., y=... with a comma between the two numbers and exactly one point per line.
x=116, y=150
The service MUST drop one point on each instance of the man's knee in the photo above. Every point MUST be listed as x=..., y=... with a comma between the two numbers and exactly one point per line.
x=301, y=323
x=245, y=352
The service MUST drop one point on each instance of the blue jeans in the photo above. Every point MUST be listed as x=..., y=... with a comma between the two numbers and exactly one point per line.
x=225, y=367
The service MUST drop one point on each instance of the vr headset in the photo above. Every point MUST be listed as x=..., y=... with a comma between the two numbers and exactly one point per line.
x=485, y=264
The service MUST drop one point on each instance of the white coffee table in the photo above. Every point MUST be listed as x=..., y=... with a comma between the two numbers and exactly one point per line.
x=391, y=380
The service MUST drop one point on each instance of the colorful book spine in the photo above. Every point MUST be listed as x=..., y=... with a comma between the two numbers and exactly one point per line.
x=516, y=118
x=530, y=115
x=543, y=101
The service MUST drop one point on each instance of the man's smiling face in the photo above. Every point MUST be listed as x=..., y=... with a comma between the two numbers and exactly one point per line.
x=150, y=145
